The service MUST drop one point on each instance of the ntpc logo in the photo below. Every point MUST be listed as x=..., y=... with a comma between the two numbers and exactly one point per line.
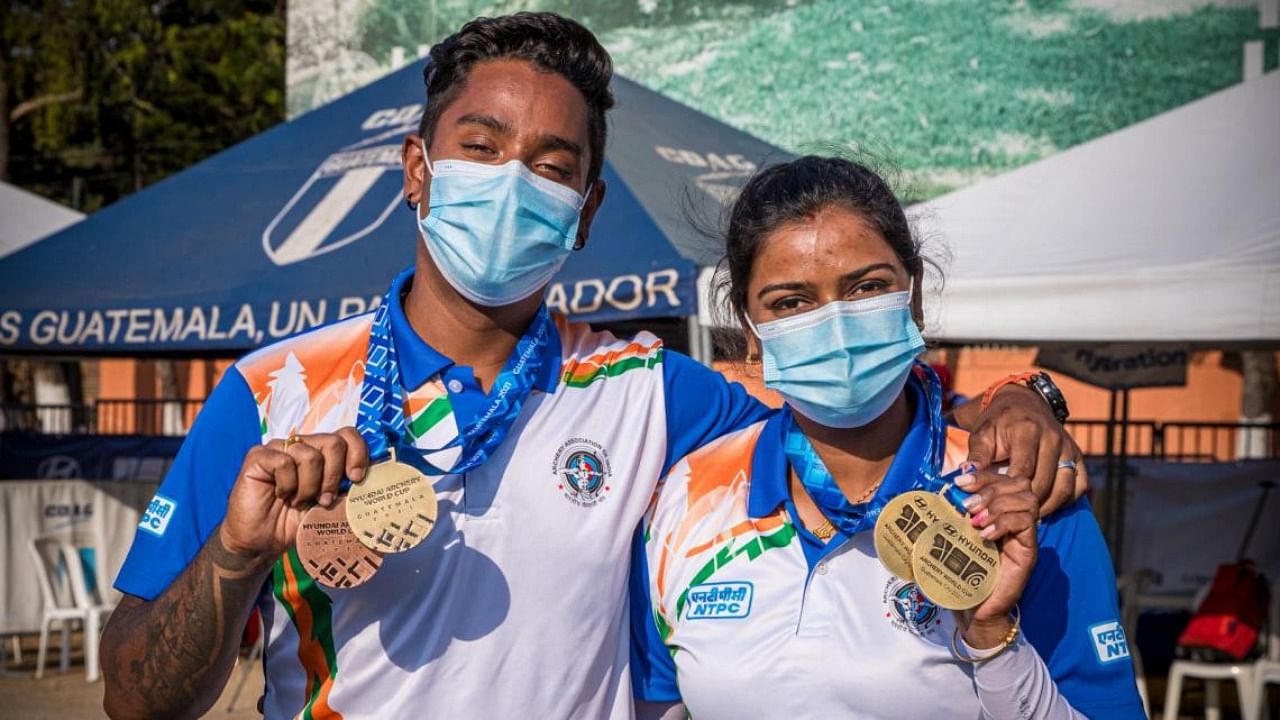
x=1109, y=641
x=157, y=515
x=722, y=600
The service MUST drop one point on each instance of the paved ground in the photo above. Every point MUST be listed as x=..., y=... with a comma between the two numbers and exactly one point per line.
x=66, y=696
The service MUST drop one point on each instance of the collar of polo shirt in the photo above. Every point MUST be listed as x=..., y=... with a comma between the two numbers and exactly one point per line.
x=770, y=479
x=419, y=362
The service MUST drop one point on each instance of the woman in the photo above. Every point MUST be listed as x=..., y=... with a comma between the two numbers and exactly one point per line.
x=758, y=591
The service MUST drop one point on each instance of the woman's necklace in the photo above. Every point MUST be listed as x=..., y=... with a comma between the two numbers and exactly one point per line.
x=826, y=530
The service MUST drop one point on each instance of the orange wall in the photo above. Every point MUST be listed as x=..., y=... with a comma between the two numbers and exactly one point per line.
x=128, y=379
x=1212, y=392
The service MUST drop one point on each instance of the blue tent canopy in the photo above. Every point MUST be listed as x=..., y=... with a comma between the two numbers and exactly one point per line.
x=304, y=224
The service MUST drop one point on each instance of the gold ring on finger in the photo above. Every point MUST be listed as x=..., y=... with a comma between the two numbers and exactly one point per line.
x=292, y=440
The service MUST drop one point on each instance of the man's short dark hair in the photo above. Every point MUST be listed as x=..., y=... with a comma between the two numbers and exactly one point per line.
x=551, y=42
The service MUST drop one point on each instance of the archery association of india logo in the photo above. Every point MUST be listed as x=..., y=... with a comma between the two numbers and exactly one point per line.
x=582, y=468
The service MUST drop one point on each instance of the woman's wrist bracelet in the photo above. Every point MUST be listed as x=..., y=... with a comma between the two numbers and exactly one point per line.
x=1004, y=645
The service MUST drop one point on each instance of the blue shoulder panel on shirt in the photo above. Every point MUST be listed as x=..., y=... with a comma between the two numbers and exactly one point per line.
x=701, y=406
x=1070, y=614
x=192, y=500
x=653, y=670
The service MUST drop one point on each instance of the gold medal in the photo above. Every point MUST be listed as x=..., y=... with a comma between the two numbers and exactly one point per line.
x=330, y=552
x=393, y=509
x=900, y=524
x=955, y=566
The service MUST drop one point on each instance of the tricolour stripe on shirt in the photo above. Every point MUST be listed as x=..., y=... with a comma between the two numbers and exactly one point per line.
x=311, y=612
x=581, y=373
x=429, y=415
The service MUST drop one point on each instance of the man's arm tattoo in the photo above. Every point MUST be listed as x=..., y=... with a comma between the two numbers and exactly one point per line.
x=172, y=656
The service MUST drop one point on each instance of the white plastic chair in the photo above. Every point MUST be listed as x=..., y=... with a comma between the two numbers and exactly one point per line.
x=49, y=555
x=1212, y=674
x=1267, y=669
x=1247, y=676
x=95, y=610
x=14, y=641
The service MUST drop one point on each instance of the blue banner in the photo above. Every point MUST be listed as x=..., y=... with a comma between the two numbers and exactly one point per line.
x=305, y=224
x=36, y=456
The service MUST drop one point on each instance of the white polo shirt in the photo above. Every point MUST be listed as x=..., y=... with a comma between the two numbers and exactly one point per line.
x=516, y=604
x=738, y=611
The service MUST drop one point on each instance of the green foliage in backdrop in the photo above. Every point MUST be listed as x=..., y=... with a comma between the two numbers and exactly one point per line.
x=955, y=91
x=102, y=97
x=950, y=90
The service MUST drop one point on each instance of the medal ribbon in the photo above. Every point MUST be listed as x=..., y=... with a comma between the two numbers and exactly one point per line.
x=381, y=420
x=831, y=500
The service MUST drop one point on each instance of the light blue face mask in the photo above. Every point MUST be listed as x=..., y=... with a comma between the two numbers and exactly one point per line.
x=498, y=233
x=843, y=364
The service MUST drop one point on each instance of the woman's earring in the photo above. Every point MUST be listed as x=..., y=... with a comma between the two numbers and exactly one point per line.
x=412, y=205
x=579, y=243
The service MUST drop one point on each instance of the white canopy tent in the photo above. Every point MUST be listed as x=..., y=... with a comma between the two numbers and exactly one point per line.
x=26, y=218
x=1168, y=230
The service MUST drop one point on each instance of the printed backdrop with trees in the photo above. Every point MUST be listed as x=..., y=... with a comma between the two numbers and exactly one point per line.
x=949, y=91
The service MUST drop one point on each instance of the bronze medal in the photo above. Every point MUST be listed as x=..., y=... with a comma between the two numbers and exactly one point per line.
x=330, y=552
x=393, y=509
x=954, y=566
x=901, y=523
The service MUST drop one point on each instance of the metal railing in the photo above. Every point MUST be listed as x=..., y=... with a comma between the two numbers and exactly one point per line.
x=104, y=417
x=1181, y=441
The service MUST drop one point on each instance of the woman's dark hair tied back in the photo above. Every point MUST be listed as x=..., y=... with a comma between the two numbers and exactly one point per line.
x=787, y=192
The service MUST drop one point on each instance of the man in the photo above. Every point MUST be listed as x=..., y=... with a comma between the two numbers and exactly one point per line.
x=515, y=603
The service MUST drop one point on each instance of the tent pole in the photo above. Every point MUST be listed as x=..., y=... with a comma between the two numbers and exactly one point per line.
x=1122, y=483
x=1108, y=519
x=695, y=338
x=708, y=345
x=699, y=341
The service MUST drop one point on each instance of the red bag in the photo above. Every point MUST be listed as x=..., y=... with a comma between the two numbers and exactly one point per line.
x=1226, y=626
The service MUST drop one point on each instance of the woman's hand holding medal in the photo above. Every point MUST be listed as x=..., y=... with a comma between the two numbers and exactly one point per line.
x=1009, y=515
x=279, y=481
x=977, y=564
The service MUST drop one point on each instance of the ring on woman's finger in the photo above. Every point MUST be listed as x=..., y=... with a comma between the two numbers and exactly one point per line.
x=295, y=438
x=1066, y=464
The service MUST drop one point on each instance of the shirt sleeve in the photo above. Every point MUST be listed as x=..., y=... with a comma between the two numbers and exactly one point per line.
x=1016, y=684
x=653, y=670
x=192, y=500
x=701, y=406
x=1071, y=616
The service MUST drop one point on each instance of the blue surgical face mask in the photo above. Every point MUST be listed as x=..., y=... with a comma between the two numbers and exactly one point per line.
x=498, y=233
x=843, y=364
